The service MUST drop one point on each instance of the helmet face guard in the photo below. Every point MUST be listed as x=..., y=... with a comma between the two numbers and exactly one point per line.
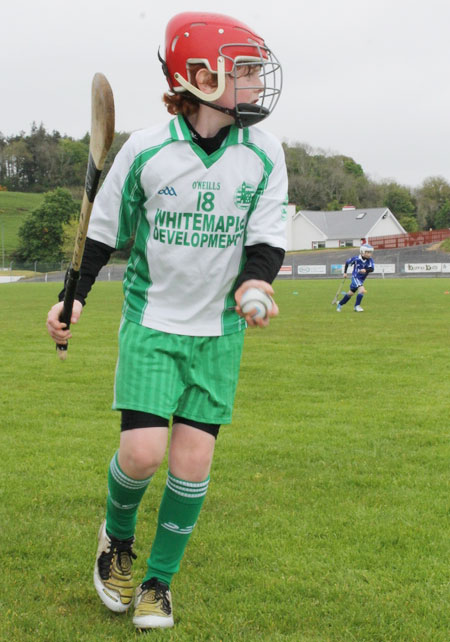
x=224, y=46
x=366, y=251
x=271, y=76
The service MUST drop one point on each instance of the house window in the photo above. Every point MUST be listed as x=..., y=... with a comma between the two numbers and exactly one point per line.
x=316, y=245
x=361, y=215
x=346, y=243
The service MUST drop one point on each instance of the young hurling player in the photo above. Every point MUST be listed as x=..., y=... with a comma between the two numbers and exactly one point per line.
x=203, y=200
x=363, y=265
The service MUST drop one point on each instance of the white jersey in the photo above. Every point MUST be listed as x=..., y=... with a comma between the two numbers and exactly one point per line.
x=190, y=215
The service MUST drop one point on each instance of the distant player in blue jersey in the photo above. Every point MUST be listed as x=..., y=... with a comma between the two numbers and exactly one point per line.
x=363, y=265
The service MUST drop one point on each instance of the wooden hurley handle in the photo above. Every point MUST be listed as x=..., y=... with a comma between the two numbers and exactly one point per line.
x=102, y=135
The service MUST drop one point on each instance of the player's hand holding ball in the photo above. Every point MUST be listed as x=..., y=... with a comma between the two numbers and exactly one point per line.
x=255, y=303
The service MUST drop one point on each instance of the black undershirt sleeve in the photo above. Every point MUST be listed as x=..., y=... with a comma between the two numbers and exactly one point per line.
x=263, y=263
x=96, y=255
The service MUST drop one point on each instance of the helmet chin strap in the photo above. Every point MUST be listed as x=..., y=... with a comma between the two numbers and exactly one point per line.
x=244, y=114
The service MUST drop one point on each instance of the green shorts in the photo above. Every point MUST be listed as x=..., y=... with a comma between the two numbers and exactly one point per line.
x=172, y=374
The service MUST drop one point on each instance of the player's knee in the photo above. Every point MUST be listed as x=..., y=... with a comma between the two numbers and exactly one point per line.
x=138, y=462
x=192, y=465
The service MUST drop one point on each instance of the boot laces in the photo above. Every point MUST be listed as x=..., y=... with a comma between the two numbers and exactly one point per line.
x=157, y=591
x=123, y=551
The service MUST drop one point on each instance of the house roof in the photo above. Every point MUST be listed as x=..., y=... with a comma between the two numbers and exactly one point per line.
x=349, y=224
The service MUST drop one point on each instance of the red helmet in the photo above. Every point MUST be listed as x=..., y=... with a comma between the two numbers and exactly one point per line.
x=221, y=43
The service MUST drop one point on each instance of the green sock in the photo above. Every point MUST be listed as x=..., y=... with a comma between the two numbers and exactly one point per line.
x=178, y=514
x=124, y=497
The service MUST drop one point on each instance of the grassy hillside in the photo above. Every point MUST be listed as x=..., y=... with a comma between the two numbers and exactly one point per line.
x=14, y=208
x=445, y=245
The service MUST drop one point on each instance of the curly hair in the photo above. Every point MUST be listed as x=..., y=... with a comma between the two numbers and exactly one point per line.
x=184, y=104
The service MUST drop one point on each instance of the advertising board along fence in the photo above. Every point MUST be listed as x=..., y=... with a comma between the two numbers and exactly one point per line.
x=381, y=269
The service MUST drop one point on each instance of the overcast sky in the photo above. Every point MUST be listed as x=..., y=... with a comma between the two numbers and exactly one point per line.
x=364, y=78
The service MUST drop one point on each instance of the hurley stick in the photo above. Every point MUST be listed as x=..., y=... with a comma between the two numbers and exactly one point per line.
x=336, y=296
x=102, y=134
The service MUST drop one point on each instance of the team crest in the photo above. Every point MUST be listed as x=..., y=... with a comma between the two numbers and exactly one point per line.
x=243, y=196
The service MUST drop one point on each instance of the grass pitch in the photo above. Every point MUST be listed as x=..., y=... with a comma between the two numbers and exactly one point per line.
x=327, y=517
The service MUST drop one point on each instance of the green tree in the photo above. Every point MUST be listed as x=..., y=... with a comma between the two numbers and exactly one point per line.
x=41, y=235
x=399, y=200
x=409, y=223
x=351, y=167
x=319, y=180
x=72, y=162
x=15, y=159
x=431, y=199
x=442, y=218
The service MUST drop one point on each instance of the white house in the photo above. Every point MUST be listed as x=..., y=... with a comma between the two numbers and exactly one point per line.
x=307, y=230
